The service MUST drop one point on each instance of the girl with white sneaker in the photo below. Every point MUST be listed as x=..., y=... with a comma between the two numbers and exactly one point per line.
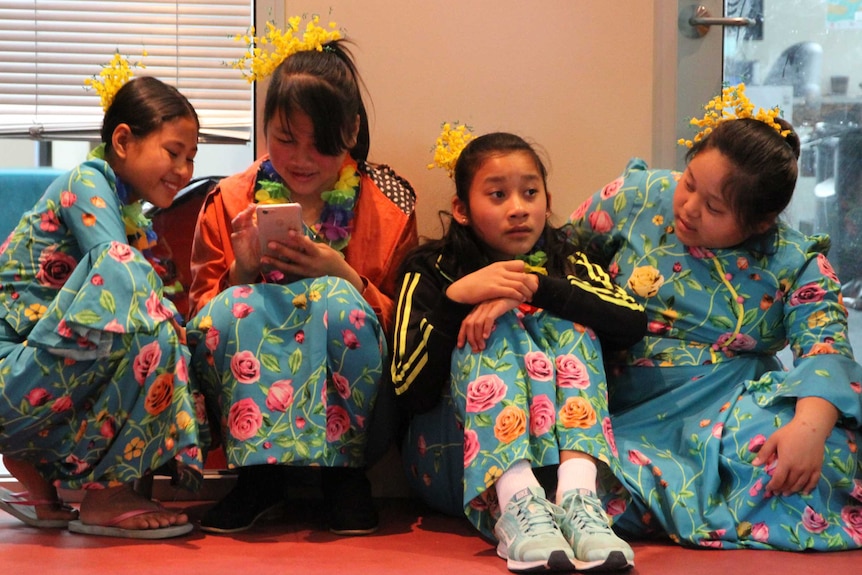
x=493, y=356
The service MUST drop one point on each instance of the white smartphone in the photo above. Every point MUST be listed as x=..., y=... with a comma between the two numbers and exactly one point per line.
x=275, y=220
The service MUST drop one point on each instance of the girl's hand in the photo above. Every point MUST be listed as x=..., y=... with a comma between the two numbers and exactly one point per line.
x=506, y=279
x=479, y=323
x=797, y=448
x=246, y=247
x=300, y=257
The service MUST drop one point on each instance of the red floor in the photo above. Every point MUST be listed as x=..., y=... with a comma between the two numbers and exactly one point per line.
x=411, y=540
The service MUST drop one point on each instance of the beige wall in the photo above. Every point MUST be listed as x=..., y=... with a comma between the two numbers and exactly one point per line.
x=575, y=76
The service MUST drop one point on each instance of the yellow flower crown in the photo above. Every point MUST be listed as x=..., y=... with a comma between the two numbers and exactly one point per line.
x=112, y=77
x=732, y=104
x=265, y=53
x=450, y=143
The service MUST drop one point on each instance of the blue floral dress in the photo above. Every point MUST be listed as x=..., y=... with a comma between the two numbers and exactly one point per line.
x=290, y=371
x=94, y=379
x=694, y=401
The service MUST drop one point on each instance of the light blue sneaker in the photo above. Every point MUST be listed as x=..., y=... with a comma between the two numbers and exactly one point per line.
x=529, y=539
x=586, y=527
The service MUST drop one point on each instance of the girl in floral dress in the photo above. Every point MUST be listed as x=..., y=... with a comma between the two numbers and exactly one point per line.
x=94, y=383
x=490, y=336
x=291, y=345
x=721, y=447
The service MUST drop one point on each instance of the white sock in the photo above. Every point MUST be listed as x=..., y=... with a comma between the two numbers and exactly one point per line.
x=575, y=473
x=519, y=476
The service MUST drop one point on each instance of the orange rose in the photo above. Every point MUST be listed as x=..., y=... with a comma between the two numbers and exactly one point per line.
x=577, y=412
x=160, y=395
x=511, y=423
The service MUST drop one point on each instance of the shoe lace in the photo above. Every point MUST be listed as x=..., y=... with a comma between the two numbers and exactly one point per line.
x=536, y=517
x=586, y=513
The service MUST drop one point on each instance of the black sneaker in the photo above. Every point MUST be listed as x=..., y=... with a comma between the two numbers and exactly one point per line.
x=258, y=492
x=347, y=493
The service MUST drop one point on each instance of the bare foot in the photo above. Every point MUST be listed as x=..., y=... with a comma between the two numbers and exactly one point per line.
x=104, y=506
x=39, y=489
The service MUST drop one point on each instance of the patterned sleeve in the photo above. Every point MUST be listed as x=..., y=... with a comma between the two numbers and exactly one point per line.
x=426, y=330
x=589, y=297
x=815, y=320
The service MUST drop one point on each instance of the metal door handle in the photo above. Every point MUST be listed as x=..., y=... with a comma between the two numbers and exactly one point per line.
x=695, y=20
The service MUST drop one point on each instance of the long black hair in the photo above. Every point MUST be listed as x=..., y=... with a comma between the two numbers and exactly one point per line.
x=325, y=85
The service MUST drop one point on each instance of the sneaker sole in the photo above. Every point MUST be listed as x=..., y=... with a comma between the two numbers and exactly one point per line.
x=615, y=561
x=557, y=561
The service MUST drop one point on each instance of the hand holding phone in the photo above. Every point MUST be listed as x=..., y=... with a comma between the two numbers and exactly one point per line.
x=275, y=220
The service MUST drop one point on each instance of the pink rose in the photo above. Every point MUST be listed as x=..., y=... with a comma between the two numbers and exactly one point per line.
x=616, y=506
x=760, y=532
x=146, y=361
x=212, y=338
x=350, y=339
x=241, y=310
x=108, y=428
x=114, y=326
x=121, y=252
x=200, y=406
x=181, y=370
x=857, y=490
x=471, y=446
x=571, y=372
x=809, y=293
x=54, y=268
x=638, y=458
x=608, y=432
x=717, y=429
x=542, y=415
x=342, y=385
x=61, y=404
x=156, y=309
x=581, y=210
x=244, y=419
x=300, y=422
x=538, y=366
x=485, y=392
x=245, y=367
x=612, y=189
x=756, y=443
x=813, y=521
x=280, y=395
x=852, y=518
x=67, y=199
x=826, y=268
x=421, y=446
x=242, y=292
x=337, y=422
x=357, y=318
x=38, y=396
x=601, y=222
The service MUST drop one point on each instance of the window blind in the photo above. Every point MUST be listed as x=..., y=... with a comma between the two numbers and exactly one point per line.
x=49, y=47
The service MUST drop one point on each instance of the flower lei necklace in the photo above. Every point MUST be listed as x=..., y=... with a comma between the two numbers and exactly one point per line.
x=336, y=220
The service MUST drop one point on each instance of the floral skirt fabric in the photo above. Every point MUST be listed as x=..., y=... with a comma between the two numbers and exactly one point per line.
x=538, y=388
x=687, y=470
x=290, y=372
x=94, y=386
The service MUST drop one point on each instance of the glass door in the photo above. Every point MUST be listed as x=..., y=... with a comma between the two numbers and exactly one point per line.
x=804, y=55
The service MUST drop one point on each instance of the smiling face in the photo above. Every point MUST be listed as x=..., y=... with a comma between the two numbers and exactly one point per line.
x=294, y=155
x=508, y=204
x=157, y=166
x=703, y=217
